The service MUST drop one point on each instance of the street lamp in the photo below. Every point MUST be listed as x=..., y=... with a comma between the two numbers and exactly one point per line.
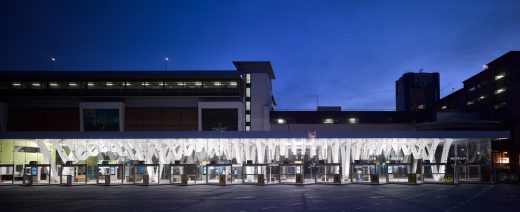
x=166, y=59
x=52, y=63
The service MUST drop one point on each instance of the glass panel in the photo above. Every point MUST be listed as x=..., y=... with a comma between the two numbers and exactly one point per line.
x=101, y=119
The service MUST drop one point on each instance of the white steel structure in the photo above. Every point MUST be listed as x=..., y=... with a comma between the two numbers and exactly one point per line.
x=415, y=149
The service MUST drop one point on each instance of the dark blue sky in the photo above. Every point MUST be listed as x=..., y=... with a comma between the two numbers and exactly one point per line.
x=348, y=52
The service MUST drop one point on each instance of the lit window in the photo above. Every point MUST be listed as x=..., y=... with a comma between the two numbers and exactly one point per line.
x=217, y=84
x=248, y=105
x=500, y=76
x=328, y=121
x=501, y=157
x=110, y=84
x=36, y=84
x=73, y=84
x=480, y=98
x=198, y=83
x=421, y=107
x=248, y=78
x=353, y=120
x=17, y=84
x=248, y=128
x=180, y=83
x=53, y=84
x=471, y=89
x=90, y=84
x=145, y=83
x=248, y=92
x=248, y=118
x=500, y=105
x=444, y=107
x=280, y=121
x=233, y=84
x=499, y=91
x=470, y=102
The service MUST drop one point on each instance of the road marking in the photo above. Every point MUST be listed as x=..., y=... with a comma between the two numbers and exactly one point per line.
x=299, y=203
x=267, y=208
x=376, y=197
x=429, y=192
x=169, y=209
x=311, y=197
x=481, y=192
x=470, y=198
x=245, y=197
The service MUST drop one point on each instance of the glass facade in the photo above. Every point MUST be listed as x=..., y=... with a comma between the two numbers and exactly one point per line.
x=363, y=160
x=101, y=120
x=123, y=88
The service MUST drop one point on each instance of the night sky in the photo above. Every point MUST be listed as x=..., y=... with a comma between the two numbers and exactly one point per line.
x=350, y=53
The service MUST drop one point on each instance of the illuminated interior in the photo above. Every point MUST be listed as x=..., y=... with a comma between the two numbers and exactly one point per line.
x=354, y=159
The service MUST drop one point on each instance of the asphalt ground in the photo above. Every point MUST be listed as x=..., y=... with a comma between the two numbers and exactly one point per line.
x=350, y=197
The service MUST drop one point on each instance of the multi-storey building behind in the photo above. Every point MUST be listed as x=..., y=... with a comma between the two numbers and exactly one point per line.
x=494, y=94
x=417, y=91
x=231, y=100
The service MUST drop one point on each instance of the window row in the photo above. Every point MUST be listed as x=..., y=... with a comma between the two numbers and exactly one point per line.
x=123, y=85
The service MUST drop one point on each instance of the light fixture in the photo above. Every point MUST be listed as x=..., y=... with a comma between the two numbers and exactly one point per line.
x=499, y=76
x=499, y=91
x=328, y=121
x=280, y=121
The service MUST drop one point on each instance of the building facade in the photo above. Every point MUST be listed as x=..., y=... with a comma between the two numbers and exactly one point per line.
x=493, y=93
x=166, y=127
x=417, y=91
x=337, y=120
x=234, y=100
x=376, y=157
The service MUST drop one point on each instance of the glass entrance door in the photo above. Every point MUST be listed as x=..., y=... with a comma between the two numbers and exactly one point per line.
x=185, y=174
x=109, y=174
x=254, y=173
x=471, y=173
x=37, y=174
x=397, y=173
x=273, y=174
x=292, y=173
x=220, y=174
x=327, y=173
x=437, y=173
x=146, y=174
x=73, y=174
x=6, y=174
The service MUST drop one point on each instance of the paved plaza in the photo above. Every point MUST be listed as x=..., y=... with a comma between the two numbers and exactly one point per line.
x=352, y=197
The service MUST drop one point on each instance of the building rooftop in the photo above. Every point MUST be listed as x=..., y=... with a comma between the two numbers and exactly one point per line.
x=253, y=134
x=116, y=75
